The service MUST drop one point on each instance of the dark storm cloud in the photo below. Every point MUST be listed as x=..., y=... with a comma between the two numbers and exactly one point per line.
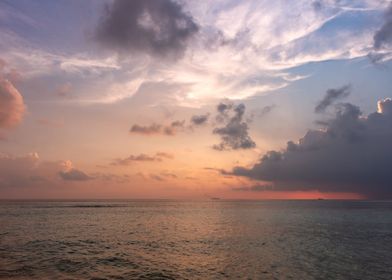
x=331, y=96
x=74, y=175
x=383, y=36
x=142, y=158
x=234, y=134
x=157, y=27
x=200, y=119
x=156, y=129
x=352, y=154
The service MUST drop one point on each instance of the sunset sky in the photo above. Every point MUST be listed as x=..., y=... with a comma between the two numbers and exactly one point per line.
x=175, y=99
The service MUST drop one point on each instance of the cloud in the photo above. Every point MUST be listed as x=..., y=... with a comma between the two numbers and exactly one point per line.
x=163, y=155
x=266, y=109
x=352, y=154
x=155, y=128
x=260, y=112
x=17, y=171
x=74, y=175
x=147, y=130
x=64, y=90
x=31, y=171
x=12, y=107
x=241, y=50
x=200, y=119
x=253, y=188
x=234, y=134
x=163, y=176
x=331, y=96
x=9, y=73
x=383, y=36
x=109, y=177
x=160, y=177
x=317, y=5
x=157, y=27
x=50, y=122
x=385, y=106
x=142, y=158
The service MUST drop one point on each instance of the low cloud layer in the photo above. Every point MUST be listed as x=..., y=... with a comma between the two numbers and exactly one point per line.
x=331, y=96
x=74, y=175
x=158, y=157
x=234, y=134
x=30, y=170
x=352, y=154
x=156, y=129
x=156, y=27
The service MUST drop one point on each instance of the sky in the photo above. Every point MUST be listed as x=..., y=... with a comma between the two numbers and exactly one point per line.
x=181, y=99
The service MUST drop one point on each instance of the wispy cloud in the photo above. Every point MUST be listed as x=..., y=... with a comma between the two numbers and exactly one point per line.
x=331, y=96
x=158, y=129
x=158, y=157
x=228, y=49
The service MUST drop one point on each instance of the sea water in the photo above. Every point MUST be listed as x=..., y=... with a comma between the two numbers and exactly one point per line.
x=195, y=239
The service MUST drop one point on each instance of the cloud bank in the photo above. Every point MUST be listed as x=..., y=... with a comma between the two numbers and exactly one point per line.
x=352, y=154
x=30, y=170
x=74, y=175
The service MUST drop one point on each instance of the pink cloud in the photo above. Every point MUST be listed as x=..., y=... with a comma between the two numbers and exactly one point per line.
x=12, y=107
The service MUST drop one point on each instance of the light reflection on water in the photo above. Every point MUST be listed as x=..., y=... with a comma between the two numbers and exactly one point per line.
x=196, y=240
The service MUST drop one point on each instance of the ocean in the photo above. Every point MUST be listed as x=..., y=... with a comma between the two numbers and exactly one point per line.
x=217, y=239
